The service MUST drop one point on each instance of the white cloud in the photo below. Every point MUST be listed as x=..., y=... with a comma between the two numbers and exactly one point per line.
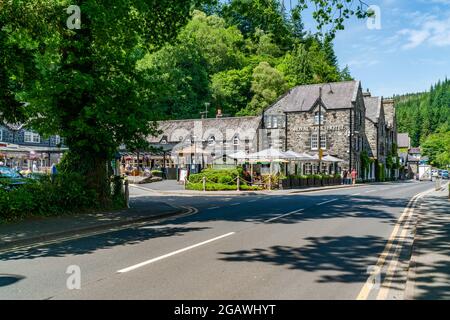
x=432, y=31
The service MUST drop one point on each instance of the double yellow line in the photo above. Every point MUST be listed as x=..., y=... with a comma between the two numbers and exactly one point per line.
x=396, y=235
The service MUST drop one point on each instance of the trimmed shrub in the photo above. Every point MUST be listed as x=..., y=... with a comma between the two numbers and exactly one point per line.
x=68, y=193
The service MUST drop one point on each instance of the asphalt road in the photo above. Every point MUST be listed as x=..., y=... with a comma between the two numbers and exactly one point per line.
x=315, y=245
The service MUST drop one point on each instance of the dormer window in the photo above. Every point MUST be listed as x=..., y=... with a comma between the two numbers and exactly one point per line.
x=211, y=140
x=164, y=140
x=236, y=141
x=316, y=117
x=32, y=137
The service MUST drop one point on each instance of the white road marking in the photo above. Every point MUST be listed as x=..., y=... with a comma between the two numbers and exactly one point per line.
x=356, y=194
x=235, y=204
x=139, y=265
x=369, y=191
x=325, y=202
x=284, y=215
x=253, y=200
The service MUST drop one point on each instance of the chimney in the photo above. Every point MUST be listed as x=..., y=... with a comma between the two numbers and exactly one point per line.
x=219, y=113
x=367, y=94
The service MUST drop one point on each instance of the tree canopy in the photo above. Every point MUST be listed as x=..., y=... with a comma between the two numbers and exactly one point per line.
x=133, y=62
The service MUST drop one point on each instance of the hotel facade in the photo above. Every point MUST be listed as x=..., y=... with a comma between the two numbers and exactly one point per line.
x=338, y=118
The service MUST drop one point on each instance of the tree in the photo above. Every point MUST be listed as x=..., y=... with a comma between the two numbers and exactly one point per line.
x=83, y=83
x=219, y=45
x=267, y=85
x=231, y=89
x=437, y=148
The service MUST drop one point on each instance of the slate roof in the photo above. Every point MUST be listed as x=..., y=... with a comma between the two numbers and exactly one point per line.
x=403, y=140
x=172, y=129
x=373, y=108
x=336, y=95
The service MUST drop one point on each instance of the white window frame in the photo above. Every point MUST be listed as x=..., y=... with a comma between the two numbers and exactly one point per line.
x=323, y=141
x=314, y=141
x=275, y=122
x=58, y=140
x=211, y=141
x=31, y=137
x=316, y=118
x=236, y=141
x=1, y=134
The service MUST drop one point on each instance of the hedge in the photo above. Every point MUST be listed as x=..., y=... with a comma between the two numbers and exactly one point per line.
x=68, y=193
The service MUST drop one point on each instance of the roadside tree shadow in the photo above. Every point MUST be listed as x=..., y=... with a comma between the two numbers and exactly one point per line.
x=334, y=259
x=92, y=243
x=432, y=250
x=9, y=279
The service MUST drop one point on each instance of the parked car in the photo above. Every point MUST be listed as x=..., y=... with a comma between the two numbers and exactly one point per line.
x=445, y=174
x=10, y=178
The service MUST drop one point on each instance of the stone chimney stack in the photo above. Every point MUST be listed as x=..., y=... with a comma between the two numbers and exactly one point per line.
x=367, y=94
x=219, y=113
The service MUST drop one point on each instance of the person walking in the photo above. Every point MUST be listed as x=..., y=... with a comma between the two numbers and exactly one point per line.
x=354, y=174
x=345, y=176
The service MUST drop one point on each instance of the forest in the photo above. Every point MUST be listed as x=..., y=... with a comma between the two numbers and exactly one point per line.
x=426, y=117
x=240, y=57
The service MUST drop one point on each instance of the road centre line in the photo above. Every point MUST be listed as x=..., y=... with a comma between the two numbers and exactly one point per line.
x=409, y=209
x=356, y=194
x=139, y=265
x=212, y=208
x=284, y=215
x=235, y=204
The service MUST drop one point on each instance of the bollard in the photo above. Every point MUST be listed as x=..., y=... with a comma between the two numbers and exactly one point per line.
x=127, y=193
x=204, y=183
x=238, y=183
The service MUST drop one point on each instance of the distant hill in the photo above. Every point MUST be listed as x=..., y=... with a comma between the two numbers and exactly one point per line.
x=423, y=114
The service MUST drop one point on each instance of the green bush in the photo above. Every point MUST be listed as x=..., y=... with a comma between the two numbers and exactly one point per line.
x=219, y=187
x=66, y=194
x=227, y=177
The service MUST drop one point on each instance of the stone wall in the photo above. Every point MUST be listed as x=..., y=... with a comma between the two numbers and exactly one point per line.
x=300, y=127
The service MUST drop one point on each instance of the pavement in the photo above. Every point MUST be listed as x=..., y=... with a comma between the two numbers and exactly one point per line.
x=429, y=275
x=321, y=244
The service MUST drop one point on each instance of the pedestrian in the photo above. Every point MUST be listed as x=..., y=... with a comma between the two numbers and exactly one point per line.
x=345, y=176
x=354, y=174
x=53, y=171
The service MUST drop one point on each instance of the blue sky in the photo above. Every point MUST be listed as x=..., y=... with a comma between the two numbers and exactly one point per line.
x=409, y=53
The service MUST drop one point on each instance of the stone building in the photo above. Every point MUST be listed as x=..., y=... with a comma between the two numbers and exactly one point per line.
x=337, y=118
x=391, y=135
x=376, y=133
x=333, y=114
x=210, y=140
x=20, y=146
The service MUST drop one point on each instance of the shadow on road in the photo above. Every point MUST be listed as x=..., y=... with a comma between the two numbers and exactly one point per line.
x=345, y=259
x=333, y=253
x=9, y=279
x=432, y=272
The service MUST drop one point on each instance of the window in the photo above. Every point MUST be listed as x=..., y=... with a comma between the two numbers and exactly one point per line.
x=274, y=122
x=316, y=117
x=32, y=137
x=224, y=158
x=1, y=135
x=323, y=141
x=211, y=140
x=236, y=141
x=314, y=141
x=308, y=168
x=58, y=140
x=267, y=122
